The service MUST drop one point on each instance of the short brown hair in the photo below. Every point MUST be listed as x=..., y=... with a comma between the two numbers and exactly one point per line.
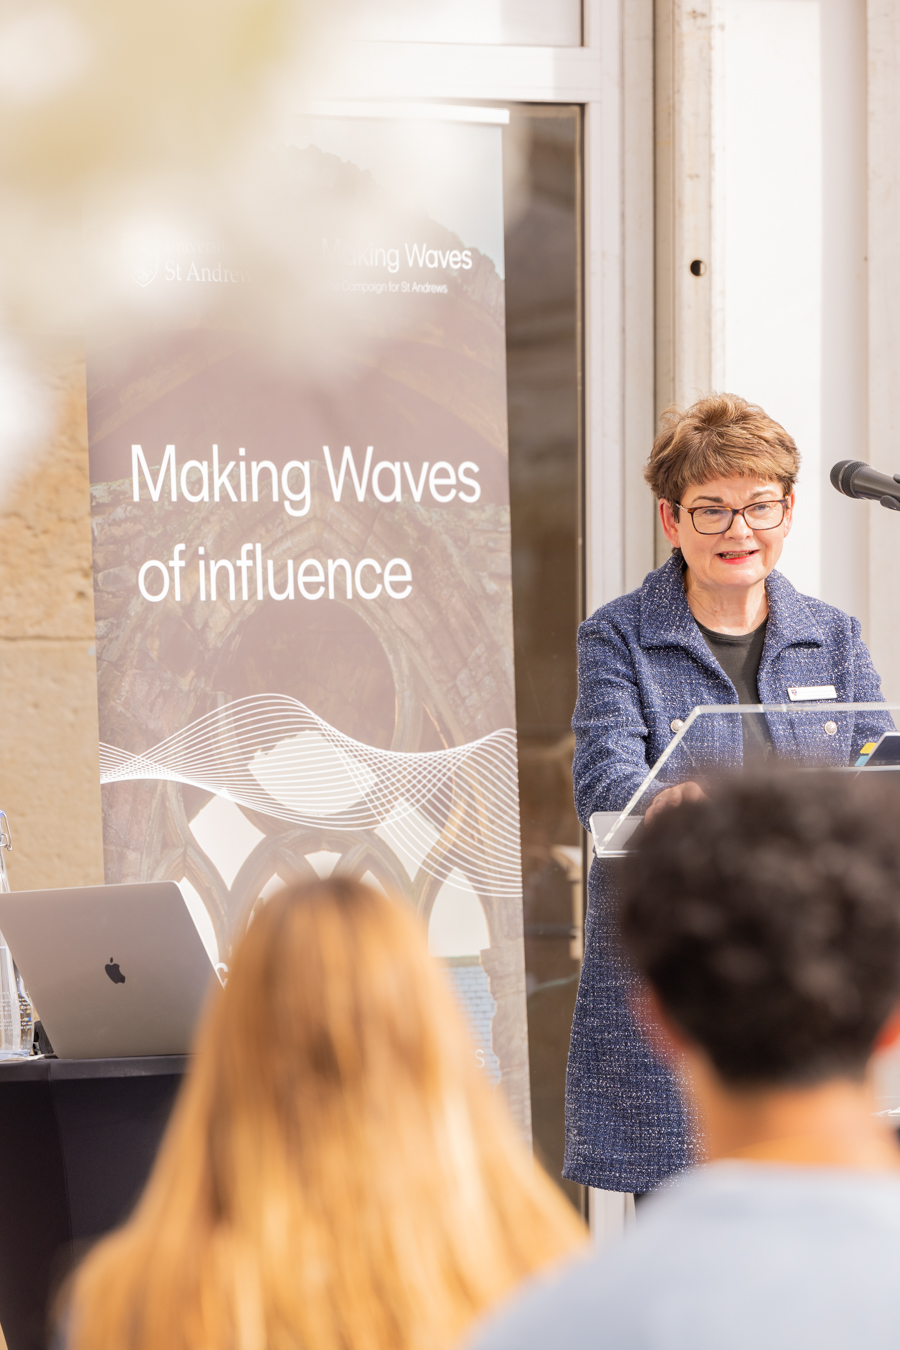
x=721, y=436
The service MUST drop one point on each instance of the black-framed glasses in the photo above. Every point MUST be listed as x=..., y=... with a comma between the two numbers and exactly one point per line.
x=719, y=519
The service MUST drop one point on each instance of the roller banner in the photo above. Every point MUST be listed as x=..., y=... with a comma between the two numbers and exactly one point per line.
x=300, y=507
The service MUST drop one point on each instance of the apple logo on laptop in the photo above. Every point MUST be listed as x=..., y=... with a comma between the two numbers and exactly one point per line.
x=114, y=972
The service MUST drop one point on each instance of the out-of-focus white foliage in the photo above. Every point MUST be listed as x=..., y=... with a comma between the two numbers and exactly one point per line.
x=108, y=96
x=44, y=50
x=25, y=416
x=89, y=87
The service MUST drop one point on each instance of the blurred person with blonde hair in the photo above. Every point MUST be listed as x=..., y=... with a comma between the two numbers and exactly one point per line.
x=336, y=1174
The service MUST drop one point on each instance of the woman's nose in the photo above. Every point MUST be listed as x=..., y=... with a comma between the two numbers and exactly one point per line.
x=739, y=529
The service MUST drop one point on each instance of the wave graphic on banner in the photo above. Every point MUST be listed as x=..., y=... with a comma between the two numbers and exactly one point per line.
x=438, y=810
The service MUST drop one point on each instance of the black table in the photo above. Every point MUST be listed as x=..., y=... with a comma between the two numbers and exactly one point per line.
x=77, y=1140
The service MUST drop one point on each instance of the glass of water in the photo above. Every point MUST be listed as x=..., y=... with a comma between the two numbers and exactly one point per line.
x=16, y=1010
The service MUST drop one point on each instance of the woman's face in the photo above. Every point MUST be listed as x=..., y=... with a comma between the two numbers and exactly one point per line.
x=742, y=556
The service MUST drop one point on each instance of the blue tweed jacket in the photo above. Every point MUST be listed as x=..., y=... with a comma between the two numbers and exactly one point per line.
x=642, y=662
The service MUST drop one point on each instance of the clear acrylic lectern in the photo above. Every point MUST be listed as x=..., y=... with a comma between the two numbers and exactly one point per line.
x=848, y=738
x=709, y=742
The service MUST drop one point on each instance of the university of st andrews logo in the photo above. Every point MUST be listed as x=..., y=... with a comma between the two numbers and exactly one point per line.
x=142, y=257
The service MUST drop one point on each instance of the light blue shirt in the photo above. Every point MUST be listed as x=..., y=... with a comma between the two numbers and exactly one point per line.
x=731, y=1256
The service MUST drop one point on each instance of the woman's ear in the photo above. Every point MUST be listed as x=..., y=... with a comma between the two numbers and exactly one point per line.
x=789, y=517
x=669, y=523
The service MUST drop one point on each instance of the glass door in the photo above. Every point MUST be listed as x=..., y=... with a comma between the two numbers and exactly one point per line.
x=543, y=308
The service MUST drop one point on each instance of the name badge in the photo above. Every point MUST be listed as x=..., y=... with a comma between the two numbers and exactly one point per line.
x=801, y=693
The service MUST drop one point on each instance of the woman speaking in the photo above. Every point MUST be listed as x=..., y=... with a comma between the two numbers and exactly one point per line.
x=716, y=624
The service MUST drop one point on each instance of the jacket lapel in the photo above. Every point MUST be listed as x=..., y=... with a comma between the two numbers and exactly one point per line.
x=666, y=620
x=791, y=622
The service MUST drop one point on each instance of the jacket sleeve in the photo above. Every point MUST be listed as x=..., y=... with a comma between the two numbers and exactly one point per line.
x=611, y=734
x=866, y=689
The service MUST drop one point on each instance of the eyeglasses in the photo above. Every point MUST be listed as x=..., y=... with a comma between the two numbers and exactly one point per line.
x=719, y=519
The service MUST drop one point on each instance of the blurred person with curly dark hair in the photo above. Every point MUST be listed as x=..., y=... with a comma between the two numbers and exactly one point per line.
x=765, y=923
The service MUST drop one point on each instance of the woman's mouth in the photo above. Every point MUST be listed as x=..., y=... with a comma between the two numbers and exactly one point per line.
x=737, y=555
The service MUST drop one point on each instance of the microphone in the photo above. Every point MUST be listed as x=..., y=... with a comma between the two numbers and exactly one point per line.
x=855, y=479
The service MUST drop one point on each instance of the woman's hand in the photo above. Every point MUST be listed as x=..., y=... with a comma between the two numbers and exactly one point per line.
x=673, y=796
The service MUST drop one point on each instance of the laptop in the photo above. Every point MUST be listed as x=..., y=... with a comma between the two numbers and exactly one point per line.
x=112, y=971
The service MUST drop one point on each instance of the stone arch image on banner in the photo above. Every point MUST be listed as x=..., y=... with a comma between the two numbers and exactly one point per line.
x=300, y=512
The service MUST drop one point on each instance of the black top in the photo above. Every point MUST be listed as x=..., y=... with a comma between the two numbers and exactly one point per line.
x=43, y=1068
x=739, y=655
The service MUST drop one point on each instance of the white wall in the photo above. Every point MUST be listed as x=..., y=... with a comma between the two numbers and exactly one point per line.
x=551, y=23
x=789, y=221
x=883, y=159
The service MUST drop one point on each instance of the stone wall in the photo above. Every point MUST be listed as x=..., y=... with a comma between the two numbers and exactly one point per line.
x=49, y=775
